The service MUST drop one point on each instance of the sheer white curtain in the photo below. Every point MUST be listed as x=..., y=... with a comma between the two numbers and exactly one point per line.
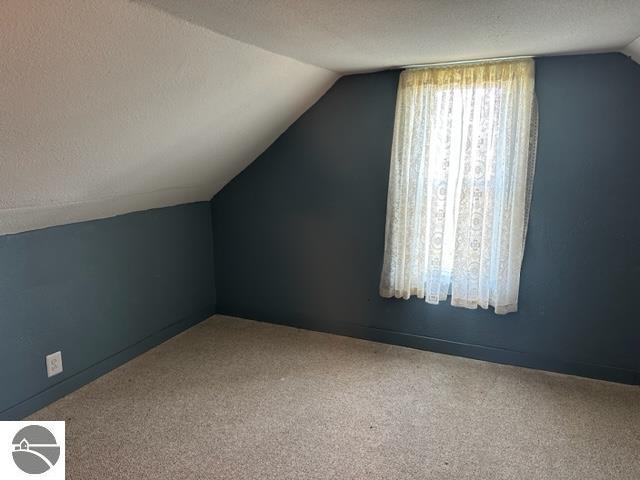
x=460, y=184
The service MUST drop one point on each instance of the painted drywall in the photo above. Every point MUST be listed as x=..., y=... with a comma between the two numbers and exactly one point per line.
x=110, y=106
x=101, y=292
x=633, y=50
x=299, y=234
x=360, y=35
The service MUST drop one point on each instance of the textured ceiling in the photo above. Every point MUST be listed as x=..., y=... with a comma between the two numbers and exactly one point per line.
x=113, y=106
x=360, y=35
x=633, y=50
x=108, y=106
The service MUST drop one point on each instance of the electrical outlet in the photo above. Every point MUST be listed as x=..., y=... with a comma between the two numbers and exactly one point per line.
x=54, y=364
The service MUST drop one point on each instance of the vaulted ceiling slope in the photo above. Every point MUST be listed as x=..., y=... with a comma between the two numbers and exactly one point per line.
x=109, y=106
x=633, y=50
x=360, y=35
x=113, y=106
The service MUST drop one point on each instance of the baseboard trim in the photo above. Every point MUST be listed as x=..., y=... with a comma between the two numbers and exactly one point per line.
x=479, y=352
x=69, y=384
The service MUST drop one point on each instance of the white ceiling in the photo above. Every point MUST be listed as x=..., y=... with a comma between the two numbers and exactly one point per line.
x=109, y=107
x=633, y=50
x=361, y=35
x=113, y=106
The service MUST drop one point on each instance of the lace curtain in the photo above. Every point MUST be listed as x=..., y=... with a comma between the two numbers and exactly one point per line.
x=462, y=163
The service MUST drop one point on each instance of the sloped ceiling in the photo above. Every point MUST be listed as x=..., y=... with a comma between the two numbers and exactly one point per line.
x=361, y=35
x=108, y=106
x=633, y=50
x=113, y=106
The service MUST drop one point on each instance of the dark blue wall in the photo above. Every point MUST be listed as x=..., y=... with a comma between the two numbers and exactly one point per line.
x=299, y=234
x=100, y=291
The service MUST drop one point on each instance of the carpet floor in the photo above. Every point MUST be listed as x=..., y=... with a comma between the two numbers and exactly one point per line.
x=237, y=399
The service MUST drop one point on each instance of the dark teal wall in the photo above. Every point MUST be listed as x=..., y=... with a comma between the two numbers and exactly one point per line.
x=100, y=291
x=299, y=234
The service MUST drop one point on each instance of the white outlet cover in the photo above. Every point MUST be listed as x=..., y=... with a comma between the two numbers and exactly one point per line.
x=54, y=364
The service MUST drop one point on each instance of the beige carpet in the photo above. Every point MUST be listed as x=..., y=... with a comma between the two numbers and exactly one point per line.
x=235, y=399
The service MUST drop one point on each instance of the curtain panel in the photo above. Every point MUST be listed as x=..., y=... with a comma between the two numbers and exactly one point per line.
x=462, y=164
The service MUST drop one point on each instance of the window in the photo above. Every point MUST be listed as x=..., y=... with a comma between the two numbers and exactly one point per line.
x=460, y=184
